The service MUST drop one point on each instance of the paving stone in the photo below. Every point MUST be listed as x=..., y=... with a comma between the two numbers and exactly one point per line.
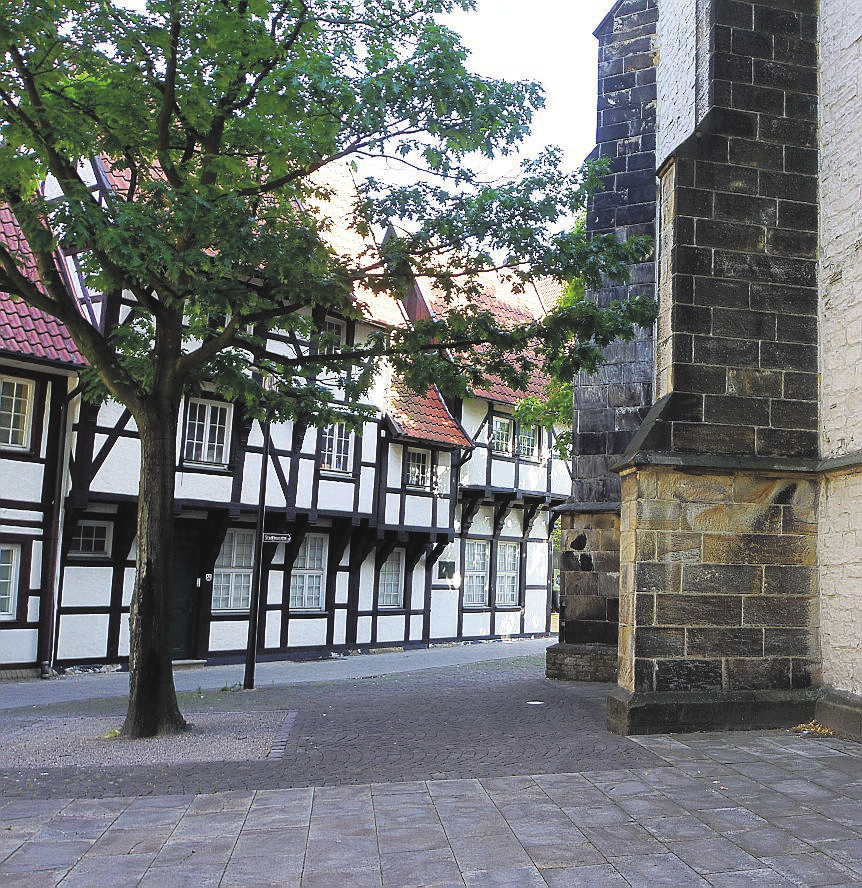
x=584, y=877
x=505, y=878
x=488, y=852
x=418, y=869
x=812, y=868
x=104, y=872
x=658, y=869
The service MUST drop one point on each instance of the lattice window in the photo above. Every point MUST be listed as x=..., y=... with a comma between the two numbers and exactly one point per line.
x=16, y=409
x=335, y=448
x=475, y=572
x=508, y=558
x=91, y=538
x=308, y=576
x=9, y=559
x=501, y=434
x=207, y=432
x=233, y=572
x=391, y=588
x=528, y=442
x=419, y=468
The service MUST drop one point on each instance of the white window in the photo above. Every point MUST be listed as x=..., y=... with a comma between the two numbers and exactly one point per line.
x=475, y=572
x=501, y=434
x=507, y=573
x=335, y=448
x=207, y=432
x=391, y=589
x=9, y=558
x=16, y=408
x=528, y=440
x=233, y=570
x=307, y=579
x=334, y=330
x=418, y=468
x=91, y=538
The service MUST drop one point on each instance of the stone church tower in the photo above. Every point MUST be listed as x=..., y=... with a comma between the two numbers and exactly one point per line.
x=730, y=525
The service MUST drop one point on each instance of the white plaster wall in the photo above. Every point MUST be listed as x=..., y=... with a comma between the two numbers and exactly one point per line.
x=840, y=322
x=366, y=585
x=124, y=643
x=27, y=482
x=363, y=630
x=561, y=479
x=502, y=473
x=36, y=564
x=537, y=563
x=18, y=646
x=444, y=613
x=535, y=610
x=334, y=494
x=367, y=481
x=82, y=635
x=476, y=624
x=415, y=628
x=339, y=633
x=341, y=583
x=306, y=633
x=272, y=633
x=128, y=585
x=32, y=609
x=390, y=629
x=676, y=84
x=207, y=487
x=274, y=587
x=87, y=586
x=393, y=505
x=230, y=635
x=508, y=623
x=305, y=484
x=417, y=511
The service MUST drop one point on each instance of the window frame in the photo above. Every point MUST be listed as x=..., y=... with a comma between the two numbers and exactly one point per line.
x=425, y=483
x=210, y=404
x=330, y=464
x=533, y=456
x=398, y=604
x=471, y=602
x=508, y=574
x=233, y=571
x=494, y=438
x=298, y=570
x=109, y=539
x=11, y=614
x=30, y=386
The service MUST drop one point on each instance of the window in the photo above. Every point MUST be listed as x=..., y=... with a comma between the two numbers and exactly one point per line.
x=309, y=573
x=391, y=589
x=335, y=445
x=207, y=432
x=9, y=557
x=501, y=434
x=16, y=407
x=418, y=468
x=91, y=538
x=475, y=572
x=334, y=330
x=507, y=573
x=528, y=442
x=233, y=568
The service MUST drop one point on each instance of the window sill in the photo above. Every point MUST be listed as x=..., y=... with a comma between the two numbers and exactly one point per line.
x=209, y=468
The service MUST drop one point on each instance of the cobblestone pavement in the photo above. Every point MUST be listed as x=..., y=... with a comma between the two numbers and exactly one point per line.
x=482, y=775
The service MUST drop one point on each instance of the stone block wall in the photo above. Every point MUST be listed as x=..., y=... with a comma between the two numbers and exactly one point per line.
x=610, y=405
x=590, y=570
x=719, y=581
x=840, y=542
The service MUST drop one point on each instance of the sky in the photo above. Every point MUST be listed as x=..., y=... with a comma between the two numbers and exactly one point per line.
x=550, y=41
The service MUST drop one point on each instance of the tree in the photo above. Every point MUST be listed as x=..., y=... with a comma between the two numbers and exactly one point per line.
x=214, y=122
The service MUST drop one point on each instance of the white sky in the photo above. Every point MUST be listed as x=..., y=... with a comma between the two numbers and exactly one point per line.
x=550, y=41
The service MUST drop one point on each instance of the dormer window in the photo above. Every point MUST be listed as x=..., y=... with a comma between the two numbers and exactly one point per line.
x=528, y=442
x=16, y=411
x=419, y=469
x=207, y=432
x=335, y=448
x=501, y=434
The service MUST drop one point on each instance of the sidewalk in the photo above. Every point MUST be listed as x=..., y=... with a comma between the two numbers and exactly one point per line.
x=424, y=775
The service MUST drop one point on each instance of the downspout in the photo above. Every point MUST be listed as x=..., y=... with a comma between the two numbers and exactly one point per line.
x=45, y=645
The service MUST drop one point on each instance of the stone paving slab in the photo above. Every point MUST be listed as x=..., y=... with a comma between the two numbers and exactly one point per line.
x=440, y=778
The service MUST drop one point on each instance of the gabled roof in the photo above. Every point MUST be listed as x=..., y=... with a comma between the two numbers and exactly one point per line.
x=25, y=331
x=424, y=418
x=510, y=308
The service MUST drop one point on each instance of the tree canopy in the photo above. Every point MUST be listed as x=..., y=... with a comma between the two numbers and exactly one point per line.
x=214, y=125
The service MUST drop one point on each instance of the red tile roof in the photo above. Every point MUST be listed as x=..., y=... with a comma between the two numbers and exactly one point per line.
x=424, y=418
x=26, y=331
x=509, y=307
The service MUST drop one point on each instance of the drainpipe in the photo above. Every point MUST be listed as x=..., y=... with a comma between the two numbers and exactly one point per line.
x=45, y=646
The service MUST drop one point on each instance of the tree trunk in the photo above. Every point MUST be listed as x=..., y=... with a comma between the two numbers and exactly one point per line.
x=153, y=707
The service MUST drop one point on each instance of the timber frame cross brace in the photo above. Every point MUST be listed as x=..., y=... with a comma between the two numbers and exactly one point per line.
x=472, y=502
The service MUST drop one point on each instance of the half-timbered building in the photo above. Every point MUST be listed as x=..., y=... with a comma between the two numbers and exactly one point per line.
x=431, y=523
